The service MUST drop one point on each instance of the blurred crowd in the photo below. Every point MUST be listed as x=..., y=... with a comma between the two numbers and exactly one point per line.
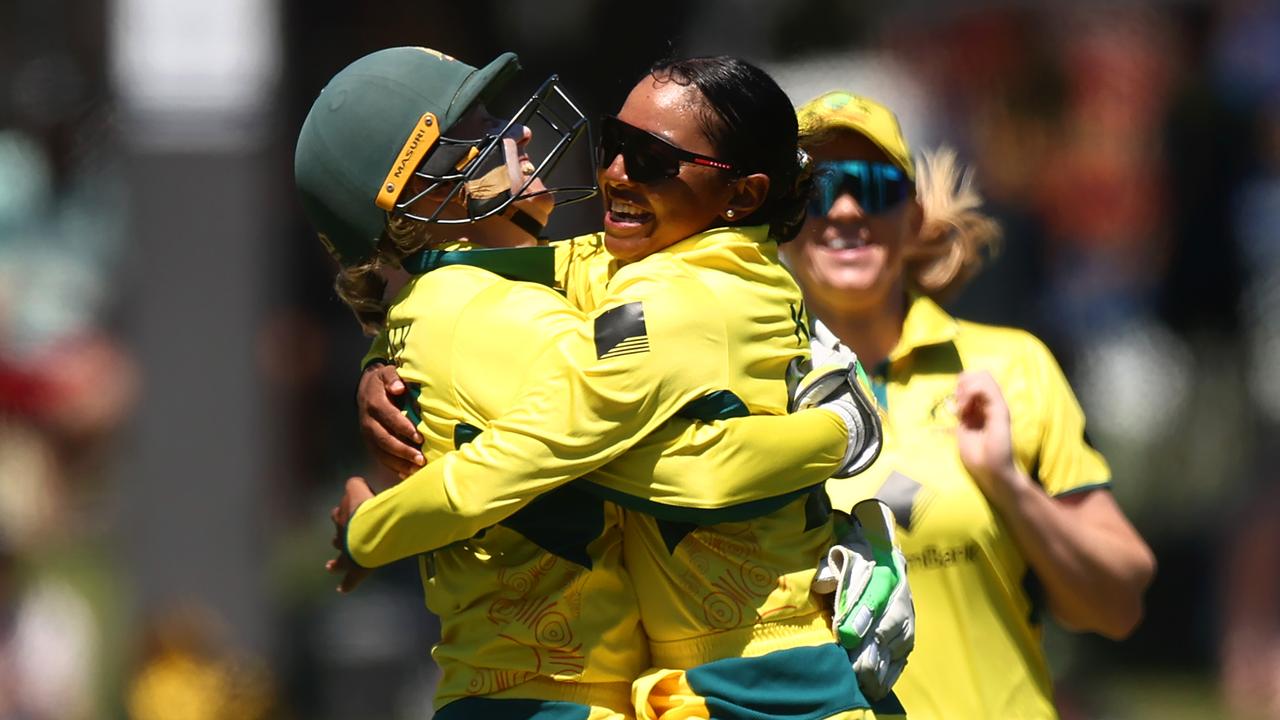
x=1130, y=150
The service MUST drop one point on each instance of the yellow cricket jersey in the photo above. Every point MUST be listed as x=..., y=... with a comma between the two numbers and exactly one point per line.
x=732, y=625
x=978, y=652
x=734, y=589
x=701, y=330
x=707, y=590
x=510, y=600
x=533, y=603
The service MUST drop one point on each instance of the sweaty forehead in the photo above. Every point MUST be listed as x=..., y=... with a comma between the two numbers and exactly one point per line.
x=670, y=110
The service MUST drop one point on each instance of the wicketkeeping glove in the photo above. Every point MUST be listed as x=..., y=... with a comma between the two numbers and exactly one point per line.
x=840, y=385
x=873, y=615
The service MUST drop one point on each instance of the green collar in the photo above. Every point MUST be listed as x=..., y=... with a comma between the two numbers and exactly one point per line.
x=529, y=264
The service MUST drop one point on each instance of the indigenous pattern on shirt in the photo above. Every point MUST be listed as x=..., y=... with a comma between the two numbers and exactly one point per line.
x=512, y=549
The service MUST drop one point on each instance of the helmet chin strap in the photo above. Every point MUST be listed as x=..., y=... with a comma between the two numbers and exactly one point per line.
x=526, y=222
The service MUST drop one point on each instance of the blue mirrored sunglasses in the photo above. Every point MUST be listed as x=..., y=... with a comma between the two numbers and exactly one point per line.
x=877, y=186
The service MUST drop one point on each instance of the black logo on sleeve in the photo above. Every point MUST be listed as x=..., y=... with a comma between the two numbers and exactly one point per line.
x=621, y=331
x=801, y=321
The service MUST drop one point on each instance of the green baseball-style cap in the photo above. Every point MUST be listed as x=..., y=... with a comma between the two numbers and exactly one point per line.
x=370, y=127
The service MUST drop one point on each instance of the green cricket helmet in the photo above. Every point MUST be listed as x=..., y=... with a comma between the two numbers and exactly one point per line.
x=386, y=118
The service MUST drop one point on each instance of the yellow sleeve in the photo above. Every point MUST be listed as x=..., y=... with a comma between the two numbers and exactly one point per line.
x=564, y=260
x=590, y=398
x=583, y=270
x=747, y=466
x=748, y=470
x=1067, y=462
x=652, y=349
x=379, y=351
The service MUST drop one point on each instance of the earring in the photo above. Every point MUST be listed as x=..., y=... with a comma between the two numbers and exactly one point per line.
x=730, y=213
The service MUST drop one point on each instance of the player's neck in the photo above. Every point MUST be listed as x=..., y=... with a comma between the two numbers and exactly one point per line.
x=871, y=332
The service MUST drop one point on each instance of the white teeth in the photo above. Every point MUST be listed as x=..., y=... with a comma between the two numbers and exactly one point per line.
x=622, y=207
x=527, y=167
x=844, y=243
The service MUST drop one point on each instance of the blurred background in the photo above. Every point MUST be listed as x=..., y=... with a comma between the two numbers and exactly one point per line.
x=177, y=378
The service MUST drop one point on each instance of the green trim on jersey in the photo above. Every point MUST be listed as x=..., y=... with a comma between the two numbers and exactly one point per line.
x=698, y=516
x=1104, y=485
x=673, y=531
x=804, y=683
x=346, y=546
x=817, y=510
x=409, y=404
x=719, y=405
x=530, y=264
x=564, y=522
x=464, y=433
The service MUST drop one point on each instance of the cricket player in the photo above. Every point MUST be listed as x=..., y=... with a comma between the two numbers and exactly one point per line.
x=722, y=287
x=1002, y=502
x=538, y=616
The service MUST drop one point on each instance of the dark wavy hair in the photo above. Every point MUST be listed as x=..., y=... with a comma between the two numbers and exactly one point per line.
x=751, y=124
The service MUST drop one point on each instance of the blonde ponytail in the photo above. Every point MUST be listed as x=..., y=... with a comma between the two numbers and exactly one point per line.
x=362, y=287
x=955, y=236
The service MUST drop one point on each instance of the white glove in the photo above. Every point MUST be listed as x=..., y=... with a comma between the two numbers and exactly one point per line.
x=873, y=615
x=840, y=385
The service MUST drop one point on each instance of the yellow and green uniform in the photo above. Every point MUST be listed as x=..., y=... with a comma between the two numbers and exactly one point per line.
x=978, y=651
x=536, y=613
x=704, y=329
x=732, y=625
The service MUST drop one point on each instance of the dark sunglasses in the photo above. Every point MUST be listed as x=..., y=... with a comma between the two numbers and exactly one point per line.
x=877, y=186
x=648, y=158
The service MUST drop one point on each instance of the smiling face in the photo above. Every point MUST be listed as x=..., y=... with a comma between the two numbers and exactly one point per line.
x=848, y=259
x=643, y=218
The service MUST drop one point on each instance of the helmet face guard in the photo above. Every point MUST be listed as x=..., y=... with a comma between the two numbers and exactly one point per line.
x=483, y=176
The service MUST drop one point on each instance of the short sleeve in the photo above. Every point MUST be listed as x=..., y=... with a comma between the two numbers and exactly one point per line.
x=1067, y=462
